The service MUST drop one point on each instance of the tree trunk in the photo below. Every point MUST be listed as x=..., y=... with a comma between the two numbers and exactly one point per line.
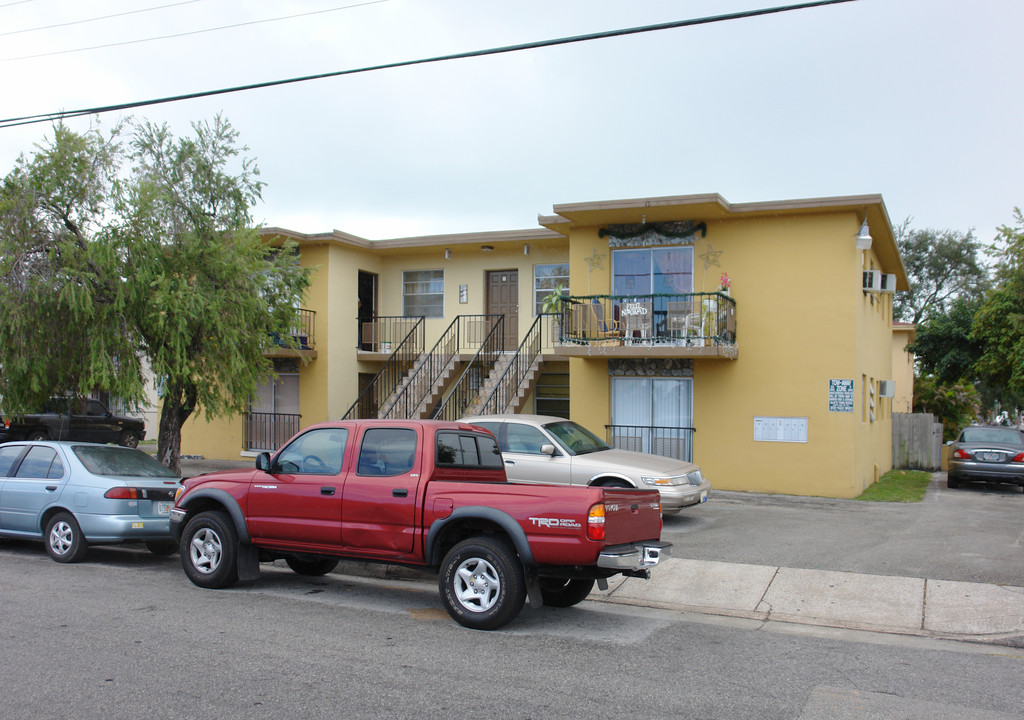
x=178, y=404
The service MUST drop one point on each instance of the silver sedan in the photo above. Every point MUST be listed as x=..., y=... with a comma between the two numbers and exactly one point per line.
x=546, y=449
x=71, y=495
x=989, y=453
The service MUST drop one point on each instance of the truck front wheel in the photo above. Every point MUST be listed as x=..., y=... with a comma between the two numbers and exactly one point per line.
x=559, y=592
x=209, y=550
x=482, y=583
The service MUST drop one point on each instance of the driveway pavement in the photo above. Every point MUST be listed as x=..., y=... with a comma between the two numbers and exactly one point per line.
x=912, y=569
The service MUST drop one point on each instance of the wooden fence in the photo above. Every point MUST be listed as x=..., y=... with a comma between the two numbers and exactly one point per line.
x=916, y=441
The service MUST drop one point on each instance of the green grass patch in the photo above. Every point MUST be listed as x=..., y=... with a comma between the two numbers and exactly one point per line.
x=898, y=486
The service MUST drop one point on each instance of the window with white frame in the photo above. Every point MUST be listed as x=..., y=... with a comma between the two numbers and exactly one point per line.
x=655, y=412
x=545, y=279
x=667, y=270
x=423, y=293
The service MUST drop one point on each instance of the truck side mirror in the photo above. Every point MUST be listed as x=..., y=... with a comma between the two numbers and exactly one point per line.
x=263, y=462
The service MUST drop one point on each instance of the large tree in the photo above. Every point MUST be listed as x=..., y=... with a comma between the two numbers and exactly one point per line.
x=941, y=266
x=999, y=324
x=118, y=251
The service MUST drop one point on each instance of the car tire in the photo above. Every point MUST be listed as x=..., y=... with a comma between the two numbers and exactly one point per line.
x=209, y=550
x=162, y=547
x=563, y=593
x=482, y=583
x=952, y=481
x=129, y=439
x=64, y=540
x=614, y=484
x=312, y=566
x=38, y=435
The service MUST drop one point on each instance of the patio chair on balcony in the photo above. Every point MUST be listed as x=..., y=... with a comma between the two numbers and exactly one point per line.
x=587, y=324
x=683, y=322
x=637, y=320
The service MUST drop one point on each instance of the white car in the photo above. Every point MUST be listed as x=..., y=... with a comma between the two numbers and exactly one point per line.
x=553, y=450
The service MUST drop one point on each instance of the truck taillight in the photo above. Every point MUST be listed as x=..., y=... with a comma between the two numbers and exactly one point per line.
x=122, y=493
x=595, y=522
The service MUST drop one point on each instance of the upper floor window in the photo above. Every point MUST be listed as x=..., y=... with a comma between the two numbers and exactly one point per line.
x=666, y=270
x=423, y=293
x=545, y=279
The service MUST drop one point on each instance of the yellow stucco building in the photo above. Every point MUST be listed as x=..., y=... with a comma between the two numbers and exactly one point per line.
x=755, y=339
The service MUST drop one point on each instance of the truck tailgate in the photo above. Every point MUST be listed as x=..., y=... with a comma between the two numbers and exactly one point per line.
x=631, y=515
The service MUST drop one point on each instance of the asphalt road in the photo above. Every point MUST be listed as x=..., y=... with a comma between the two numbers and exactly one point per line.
x=124, y=636
x=972, y=534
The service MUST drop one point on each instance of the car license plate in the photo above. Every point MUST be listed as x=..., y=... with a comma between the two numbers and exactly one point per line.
x=704, y=496
x=164, y=508
x=991, y=457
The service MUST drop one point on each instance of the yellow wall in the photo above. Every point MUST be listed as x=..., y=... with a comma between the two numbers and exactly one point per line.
x=795, y=332
x=903, y=368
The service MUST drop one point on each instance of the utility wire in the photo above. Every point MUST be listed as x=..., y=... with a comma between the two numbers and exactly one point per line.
x=58, y=115
x=94, y=19
x=191, y=32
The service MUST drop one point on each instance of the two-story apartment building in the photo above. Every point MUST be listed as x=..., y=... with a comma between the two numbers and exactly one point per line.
x=755, y=339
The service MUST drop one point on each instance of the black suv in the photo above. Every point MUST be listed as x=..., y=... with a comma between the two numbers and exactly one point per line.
x=84, y=420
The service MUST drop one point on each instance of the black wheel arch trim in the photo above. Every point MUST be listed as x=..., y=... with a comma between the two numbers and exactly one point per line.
x=229, y=504
x=500, y=518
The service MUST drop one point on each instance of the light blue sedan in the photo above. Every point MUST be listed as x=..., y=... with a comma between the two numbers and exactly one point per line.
x=72, y=495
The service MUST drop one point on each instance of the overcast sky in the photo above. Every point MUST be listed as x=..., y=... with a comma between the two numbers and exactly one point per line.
x=919, y=100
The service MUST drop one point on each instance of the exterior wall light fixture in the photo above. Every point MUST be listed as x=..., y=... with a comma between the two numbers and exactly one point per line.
x=864, y=237
x=486, y=248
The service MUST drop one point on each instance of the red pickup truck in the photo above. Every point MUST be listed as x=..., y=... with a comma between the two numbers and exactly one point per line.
x=418, y=493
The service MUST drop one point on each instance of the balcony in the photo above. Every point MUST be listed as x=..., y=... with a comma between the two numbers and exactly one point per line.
x=673, y=442
x=691, y=325
x=300, y=341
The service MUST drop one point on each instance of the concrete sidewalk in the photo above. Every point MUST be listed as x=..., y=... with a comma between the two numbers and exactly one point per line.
x=975, y=612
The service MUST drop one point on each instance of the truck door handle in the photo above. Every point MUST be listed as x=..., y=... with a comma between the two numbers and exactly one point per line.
x=326, y=491
x=400, y=492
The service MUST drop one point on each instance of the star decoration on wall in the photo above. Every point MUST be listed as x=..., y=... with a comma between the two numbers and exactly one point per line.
x=710, y=257
x=595, y=261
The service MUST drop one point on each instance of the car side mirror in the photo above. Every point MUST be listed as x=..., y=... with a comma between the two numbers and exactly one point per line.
x=263, y=462
x=548, y=449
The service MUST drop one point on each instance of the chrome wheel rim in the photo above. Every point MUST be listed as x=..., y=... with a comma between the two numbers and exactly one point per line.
x=62, y=537
x=206, y=551
x=477, y=585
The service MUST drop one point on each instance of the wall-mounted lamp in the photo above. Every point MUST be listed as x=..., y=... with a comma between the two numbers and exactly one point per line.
x=486, y=248
x=864, y=237
x=447, y=253
x=526, y=249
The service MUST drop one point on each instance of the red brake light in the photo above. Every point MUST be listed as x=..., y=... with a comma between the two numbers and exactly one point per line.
x=595, y=522
x=1019, y=457
x=122, y=493
x=958, y=453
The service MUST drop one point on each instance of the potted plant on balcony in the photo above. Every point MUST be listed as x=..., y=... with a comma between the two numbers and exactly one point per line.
x=552, y=304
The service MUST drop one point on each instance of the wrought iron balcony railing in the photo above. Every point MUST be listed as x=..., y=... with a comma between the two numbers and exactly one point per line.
x=690, y=319
x=673, y=442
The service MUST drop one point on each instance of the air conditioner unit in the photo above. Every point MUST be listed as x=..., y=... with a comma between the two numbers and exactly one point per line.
x=886, y=388
x=888, y=283
x=872, y=280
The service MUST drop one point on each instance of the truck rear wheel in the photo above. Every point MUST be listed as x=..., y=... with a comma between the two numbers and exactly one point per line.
x=560, y=592
x=209, y=550
x=482, y=583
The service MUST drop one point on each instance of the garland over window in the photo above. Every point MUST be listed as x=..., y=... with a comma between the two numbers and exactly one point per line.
x=653, y=234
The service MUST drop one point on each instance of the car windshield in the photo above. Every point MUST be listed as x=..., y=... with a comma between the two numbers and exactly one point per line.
x=119, y=461
x=1004, y=435
x=576, y=439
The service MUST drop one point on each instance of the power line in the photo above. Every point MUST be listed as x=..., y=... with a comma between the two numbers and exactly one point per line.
x=95, y=19
x=190, y=32
x=47, y=117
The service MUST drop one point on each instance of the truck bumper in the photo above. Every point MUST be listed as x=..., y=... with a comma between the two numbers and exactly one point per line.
x=634, y=556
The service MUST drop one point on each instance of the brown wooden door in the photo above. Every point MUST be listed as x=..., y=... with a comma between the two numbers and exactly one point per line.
x=503, y=299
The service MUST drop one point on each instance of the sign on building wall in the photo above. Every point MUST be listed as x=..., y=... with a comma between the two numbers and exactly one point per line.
x=780, y=429
x=840, y=396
